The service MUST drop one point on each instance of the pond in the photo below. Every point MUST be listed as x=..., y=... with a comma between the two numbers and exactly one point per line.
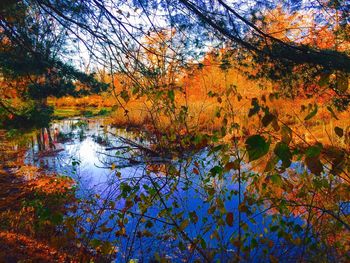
x=137, y=208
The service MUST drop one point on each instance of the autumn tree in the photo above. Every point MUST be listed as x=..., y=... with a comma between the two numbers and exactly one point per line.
x=31, y=67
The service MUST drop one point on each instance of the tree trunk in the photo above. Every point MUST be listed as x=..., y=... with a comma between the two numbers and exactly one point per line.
x=38, y=138
x=43, y=138
x=51, y=144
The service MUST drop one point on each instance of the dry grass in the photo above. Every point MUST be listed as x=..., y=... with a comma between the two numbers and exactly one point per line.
x=98, y=101
x=202, y=118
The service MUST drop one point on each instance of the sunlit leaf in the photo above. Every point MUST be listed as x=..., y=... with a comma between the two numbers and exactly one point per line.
x=271, y=163
x=276, y=179
x=184, y=224
x=286, y=134
x=135, y=89
x=312, y=113
x=171, y=95
x=125, y=95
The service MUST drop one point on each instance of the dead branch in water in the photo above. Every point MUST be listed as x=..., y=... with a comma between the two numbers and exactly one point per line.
x=137, y=145
x=118, y=148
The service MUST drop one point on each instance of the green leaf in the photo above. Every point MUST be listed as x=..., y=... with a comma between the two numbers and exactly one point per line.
x=314, y=151
x=125, y=95
x=312, y=113
x=203, y=243
x=284, y=154
x=271, y=163
x=339, y=131
x=171, y=95
x=56, y=218
x=216, y=170
x=256, y=146
x=274, y=228
x=95, y=243
x=276, y=179
x=135, y=90
x=253, y=243
x=182, y=247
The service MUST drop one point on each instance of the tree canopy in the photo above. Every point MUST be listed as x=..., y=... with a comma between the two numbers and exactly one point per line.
x=32, y=67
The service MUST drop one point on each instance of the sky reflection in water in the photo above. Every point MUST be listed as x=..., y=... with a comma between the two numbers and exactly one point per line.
x=83, y=159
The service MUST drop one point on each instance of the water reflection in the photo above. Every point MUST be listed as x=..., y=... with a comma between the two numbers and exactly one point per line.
x=135, y=207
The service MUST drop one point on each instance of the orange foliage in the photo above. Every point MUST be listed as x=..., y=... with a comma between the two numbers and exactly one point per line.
x=16, y=247
x=87, y=101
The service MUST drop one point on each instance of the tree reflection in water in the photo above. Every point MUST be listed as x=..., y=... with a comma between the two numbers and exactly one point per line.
x=134, y=206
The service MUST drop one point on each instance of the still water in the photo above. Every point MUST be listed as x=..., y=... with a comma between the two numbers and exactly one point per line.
x=136, y=211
